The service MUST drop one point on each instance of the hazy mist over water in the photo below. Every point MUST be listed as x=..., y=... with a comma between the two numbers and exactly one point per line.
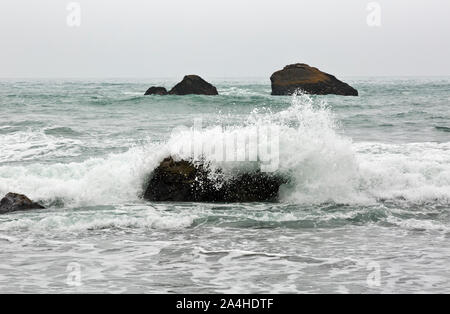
x=231, y=38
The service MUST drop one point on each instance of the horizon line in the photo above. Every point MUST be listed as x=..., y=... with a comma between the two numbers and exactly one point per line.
x=212, y=77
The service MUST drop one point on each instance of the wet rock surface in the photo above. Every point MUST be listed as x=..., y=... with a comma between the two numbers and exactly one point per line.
x=311, y=80
x=184, y=181
x=156, y=90
x=17, y=202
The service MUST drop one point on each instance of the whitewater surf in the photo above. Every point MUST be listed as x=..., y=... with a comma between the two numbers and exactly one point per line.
x=365, y=188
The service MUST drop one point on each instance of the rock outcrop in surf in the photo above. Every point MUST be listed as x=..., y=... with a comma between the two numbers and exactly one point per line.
x=190, y=85
x=156, y=90
x=13, y=202
x=193, y=84
x=308, y=79
x=185, y=181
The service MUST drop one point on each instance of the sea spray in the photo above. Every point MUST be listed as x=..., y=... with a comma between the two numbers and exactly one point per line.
x=393, y=210
x=321, y=165
x=114, y=179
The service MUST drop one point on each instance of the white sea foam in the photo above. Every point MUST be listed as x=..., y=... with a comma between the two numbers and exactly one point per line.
x=68, y=221
x=418, y=225
x=323, y=166
x=416, y=172
x=29, y=144
x=115, y=179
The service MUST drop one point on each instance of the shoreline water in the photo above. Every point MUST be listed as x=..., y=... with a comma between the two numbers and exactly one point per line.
x=371, y=186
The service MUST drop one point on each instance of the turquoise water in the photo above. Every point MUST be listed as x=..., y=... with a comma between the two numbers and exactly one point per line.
x=368, y=191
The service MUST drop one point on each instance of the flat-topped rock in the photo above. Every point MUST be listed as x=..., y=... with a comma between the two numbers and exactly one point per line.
x=311, y=80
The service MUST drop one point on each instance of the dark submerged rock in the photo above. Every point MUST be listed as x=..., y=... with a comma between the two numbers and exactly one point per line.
x=17, y=202
x=184, y=181
x=193, y=84
x=156, y=90
x=309, y=79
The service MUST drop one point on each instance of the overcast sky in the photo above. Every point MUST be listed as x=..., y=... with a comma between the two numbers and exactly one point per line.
x=222, y=38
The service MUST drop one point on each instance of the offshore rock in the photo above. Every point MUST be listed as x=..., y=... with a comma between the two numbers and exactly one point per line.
x=308, y=79
x=156, y=90
x=193, y=84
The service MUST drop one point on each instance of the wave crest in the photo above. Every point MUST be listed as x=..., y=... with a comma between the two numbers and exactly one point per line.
x=322, y=165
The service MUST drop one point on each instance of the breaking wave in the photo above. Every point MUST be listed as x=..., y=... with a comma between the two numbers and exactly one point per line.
x=321, y=164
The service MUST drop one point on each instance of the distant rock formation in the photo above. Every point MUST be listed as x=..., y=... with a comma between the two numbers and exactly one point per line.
x=183, y=181
x=309, y=79
x=156, y=90
x=17, y=202
x=191, y=84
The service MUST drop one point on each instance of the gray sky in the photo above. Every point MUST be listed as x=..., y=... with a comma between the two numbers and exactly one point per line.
x=222, y=38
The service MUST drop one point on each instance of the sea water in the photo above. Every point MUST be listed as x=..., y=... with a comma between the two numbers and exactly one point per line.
x=365, y=209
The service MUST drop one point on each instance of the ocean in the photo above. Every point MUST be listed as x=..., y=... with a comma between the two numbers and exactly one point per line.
x=366, y=208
